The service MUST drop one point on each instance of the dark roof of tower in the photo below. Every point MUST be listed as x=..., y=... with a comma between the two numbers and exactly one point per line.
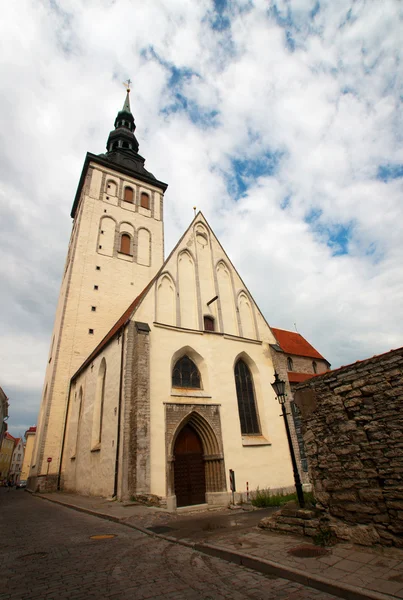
x=122, y=154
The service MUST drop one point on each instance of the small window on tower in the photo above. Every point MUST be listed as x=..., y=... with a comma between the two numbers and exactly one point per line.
x=145, y=200
x=125, y=244
x=95, y=287
x=93, y=308
x=91, y=331
x=128, y=195
x=208, y=324
x=314, y=367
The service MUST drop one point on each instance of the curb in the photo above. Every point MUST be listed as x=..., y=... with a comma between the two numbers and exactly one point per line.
x=267, y=567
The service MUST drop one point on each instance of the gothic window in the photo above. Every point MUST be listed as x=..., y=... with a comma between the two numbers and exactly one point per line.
x=125, y=244
x=145, y=200
x=246, y=399
x=185, y=374
x=128, y=195
x=290, y=364
x=208, y=323
x=314, y=367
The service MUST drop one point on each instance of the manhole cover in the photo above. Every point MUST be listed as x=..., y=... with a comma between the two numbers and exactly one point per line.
x=106, y=536
x=33, y=555
x=160, y=529
x=307, y=551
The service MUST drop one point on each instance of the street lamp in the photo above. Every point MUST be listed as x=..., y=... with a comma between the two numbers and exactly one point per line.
x=279, y=389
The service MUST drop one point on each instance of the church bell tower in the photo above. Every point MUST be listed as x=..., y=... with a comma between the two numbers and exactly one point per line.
x=115, y=248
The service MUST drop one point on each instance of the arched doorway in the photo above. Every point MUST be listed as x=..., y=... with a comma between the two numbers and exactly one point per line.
x=189, y=470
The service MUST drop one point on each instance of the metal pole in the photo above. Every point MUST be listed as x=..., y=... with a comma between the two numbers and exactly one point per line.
x=298, y=484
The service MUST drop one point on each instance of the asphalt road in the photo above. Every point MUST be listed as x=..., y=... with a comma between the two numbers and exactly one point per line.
x=46, y=552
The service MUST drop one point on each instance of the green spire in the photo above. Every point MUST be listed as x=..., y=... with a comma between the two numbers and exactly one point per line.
x=126, y=105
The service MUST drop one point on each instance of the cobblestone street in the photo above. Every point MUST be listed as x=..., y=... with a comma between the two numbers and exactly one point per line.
x=47, y=552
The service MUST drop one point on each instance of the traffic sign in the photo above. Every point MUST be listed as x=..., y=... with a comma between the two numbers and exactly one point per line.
x=49, y=459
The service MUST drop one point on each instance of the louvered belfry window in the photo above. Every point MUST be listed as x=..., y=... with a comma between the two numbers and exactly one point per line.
x=145, y=200
x=246, y=399
x=125, y=244
x=128, y=197
x=185, y=374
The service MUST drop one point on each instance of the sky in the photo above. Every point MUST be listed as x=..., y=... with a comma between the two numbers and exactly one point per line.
x=281, y=121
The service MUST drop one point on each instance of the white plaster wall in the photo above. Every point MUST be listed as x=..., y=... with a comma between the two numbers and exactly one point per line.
x=264, y=465
x=119, y=281
x=267, y=462
x=84, y=470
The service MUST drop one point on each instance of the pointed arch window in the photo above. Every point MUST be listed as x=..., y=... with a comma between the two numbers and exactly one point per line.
x=246, y=399
x=290, y=364
x=185, y=374
x=125, y=243
x=145, y=200
x=128, y=195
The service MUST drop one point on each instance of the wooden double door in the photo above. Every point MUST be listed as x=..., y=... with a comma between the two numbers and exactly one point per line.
x=189, y=472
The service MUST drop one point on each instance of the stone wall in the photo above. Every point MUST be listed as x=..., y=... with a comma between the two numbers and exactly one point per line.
x=353, y=432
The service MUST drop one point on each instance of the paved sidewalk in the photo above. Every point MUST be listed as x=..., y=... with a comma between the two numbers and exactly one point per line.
x=347, y=570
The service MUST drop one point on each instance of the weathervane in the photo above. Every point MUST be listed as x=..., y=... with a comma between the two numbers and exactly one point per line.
x=194, y=208
x=127, y=85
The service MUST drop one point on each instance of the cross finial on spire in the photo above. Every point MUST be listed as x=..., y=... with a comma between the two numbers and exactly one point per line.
x=127, y=85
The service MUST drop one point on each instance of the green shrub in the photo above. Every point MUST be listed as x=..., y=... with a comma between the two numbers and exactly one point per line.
x=264, y=499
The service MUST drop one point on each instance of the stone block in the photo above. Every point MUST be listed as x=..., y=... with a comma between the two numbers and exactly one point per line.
x=344, y=496
x=365, y=535
x=370, y=495
x=289, y=528
x=343, y=388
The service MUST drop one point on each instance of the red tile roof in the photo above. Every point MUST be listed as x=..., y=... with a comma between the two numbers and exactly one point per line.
x=10, y=437
x=293, y=343
x=31, y=429
x=299, y=377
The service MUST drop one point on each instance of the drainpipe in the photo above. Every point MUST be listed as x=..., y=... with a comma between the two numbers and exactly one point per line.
x=59, y=475
x=115, y=487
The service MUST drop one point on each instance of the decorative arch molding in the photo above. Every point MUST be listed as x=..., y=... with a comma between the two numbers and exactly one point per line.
x=106, y=235
x=165, y=307
x=132, y=227
x=188, y=293
x=228, y=313
x=111, y=187
x=205, y=420
x=198, y=361
x=249, y=361
x=247, y=320
x=189, y=253
x=144, y=244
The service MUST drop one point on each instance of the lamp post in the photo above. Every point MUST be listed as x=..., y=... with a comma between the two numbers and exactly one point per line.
x=279, y=389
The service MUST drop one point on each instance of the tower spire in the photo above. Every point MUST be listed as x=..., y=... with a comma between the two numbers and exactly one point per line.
x=122, y=139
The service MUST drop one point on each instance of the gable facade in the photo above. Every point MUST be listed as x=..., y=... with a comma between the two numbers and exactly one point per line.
x=148, y=404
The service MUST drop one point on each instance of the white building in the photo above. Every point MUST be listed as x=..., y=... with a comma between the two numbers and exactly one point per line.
x=159, y=372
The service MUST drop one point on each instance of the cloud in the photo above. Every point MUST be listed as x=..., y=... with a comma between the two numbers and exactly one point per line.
x=281, y=121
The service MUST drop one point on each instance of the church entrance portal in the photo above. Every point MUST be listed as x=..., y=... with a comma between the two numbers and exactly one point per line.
x=189, y=470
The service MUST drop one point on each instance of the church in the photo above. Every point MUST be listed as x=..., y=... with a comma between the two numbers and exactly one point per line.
x=159, y=372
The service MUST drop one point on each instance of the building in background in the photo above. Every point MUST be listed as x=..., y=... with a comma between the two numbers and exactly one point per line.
x=29, y=447
x=3, y=414
x=17, y=460
x=6, y=455
x=296, y=361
